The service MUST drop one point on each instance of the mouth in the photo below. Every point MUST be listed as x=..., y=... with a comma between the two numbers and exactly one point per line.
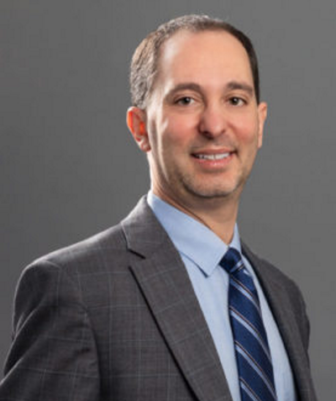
x=212, y=157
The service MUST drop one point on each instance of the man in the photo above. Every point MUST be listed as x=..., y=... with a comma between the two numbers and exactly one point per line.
x=169, y=305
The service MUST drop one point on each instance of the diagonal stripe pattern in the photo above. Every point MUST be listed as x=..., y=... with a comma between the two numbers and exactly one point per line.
x=254, y=361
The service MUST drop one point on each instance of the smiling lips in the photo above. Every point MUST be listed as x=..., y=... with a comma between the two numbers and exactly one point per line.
x=213, y=159
x=219, y=156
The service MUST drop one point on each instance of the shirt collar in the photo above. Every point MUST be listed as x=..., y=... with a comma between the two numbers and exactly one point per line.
x=191, y=238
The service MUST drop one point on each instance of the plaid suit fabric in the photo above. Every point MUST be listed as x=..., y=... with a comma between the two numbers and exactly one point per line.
x=115, y=318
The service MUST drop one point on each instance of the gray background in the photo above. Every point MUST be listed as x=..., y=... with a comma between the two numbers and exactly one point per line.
x=68, y=166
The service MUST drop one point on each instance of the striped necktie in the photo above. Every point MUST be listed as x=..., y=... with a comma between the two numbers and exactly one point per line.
x=254, y=361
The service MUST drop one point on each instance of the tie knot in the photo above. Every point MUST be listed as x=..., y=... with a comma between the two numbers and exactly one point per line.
x=231, y=261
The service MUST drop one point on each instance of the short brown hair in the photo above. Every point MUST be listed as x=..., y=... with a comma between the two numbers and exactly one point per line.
x=144, y=65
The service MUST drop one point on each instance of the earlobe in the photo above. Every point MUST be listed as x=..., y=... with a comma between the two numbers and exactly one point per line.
x=136, y=122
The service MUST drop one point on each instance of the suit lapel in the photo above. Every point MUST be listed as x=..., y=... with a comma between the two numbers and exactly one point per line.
x=165, y=283
x=286, y=319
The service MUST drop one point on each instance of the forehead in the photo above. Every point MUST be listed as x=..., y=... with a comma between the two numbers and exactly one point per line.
x=203, y=56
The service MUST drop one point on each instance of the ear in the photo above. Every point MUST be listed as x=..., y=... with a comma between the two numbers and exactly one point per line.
x=262, y=114
x=136, y=122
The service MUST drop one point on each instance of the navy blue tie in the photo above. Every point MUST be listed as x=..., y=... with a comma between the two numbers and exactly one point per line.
x=254, y=361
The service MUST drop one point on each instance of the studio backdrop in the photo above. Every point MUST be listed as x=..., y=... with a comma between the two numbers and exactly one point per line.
x=69, y=167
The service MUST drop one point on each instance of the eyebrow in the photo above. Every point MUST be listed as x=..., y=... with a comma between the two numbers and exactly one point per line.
x=187, y=85
x=232, y=85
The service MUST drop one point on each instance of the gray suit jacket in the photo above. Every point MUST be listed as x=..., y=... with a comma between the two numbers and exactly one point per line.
x=115, y=318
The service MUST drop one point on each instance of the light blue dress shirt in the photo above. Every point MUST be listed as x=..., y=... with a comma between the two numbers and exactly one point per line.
x=201, y=250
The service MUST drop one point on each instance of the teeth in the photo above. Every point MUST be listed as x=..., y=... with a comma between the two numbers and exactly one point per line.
x=213, y=157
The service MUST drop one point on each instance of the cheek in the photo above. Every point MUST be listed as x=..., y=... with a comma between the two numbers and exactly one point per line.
x=247, y=130
x=177, y=132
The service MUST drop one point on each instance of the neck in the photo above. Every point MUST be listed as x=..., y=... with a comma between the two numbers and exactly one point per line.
x=218, y=214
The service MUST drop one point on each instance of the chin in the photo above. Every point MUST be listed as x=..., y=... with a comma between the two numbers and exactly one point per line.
x=213, y=190
x=212, y=193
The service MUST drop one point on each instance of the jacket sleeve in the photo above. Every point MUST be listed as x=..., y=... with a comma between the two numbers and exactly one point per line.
x=53, y=354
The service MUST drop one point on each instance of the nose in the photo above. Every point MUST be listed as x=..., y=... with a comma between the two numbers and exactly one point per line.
x=213, y=121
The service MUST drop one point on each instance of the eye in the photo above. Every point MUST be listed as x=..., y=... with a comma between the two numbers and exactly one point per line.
x=237, y=101
x=185, y=101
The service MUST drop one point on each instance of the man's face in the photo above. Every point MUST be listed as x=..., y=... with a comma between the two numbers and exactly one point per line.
x=203, y=126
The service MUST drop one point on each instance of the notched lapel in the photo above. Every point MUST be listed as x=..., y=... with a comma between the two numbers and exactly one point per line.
x=166, y=286
x=286, y=319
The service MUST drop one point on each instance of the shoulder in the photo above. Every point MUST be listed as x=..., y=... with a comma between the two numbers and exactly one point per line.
x=282, y=292
x=266, y=270
x=83, y=256
x=85, y=272
x=60, y=276
x=135, y=236
x=278, y=286
x=102, y=258
x=111, y=240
